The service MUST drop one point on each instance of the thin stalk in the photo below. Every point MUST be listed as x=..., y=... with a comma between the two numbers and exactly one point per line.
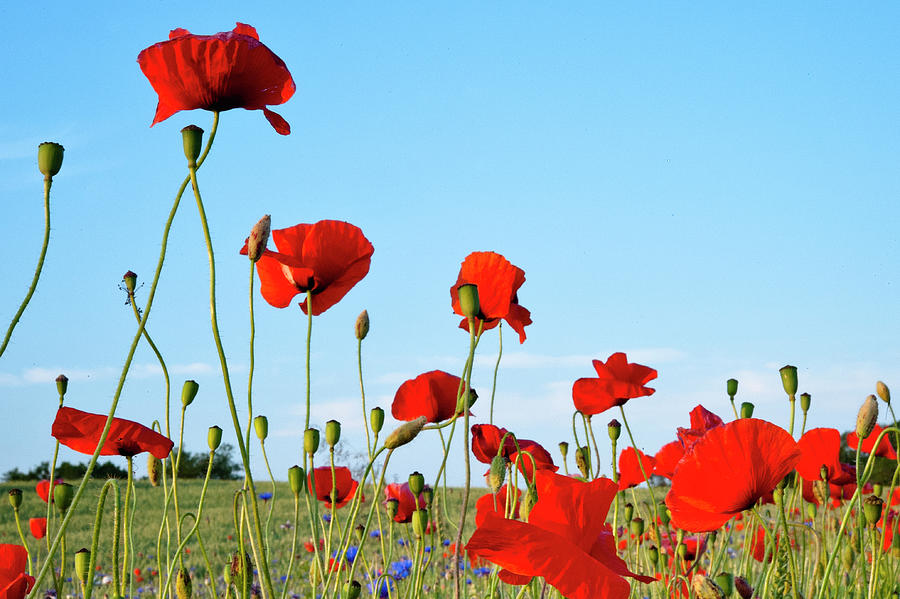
x=496, y=368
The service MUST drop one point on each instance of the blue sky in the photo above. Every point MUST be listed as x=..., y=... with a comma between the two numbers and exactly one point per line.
x=712, y=189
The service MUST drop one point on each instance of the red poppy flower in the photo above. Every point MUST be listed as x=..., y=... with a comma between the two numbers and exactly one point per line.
x=432, y=394
x=43, y=489
x=407, y=504
x=38, y=527
x=630, y=474
x=498, y=283
x=325, y=260
x=884, y=449
x=218, y=72
x=727, y=471
x=486, y=445
x=81, y=431
x=14, y=582
x=566, y=540
x=667, y=459
x=617, y=381
x=702, y=421
x=486, y=504
x=342, y=484
x=820, y=447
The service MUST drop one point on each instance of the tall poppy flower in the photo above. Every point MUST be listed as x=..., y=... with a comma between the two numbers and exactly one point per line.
x=14, y=582
x=630, y=474
x=667, y=459
x=617, y=381
x=325, y=260
x=498, y=283
x=566, y=540
x=406, y=502
x=884, y=449
x=486, y=444
x=821, y=448
x=727, y=471
x=431, y=394
x=43, y=489
x=38, y=527
x=218, y=72
x=81, y=431
x=342, y=484
x=702, y=420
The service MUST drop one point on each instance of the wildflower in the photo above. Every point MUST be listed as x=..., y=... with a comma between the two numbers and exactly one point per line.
x=630, y=473
x=498, y=283
x=406, y=503
x=38, y=527
x=217, y=72
x=432, y=395
x=821, y=448
x=324, y=260
x=81, y=431
x=486, y=444
x=43, y=489
x=617, y=381
x=884, y=449
x=14, y=582
x=343, y=486
x=667, y=459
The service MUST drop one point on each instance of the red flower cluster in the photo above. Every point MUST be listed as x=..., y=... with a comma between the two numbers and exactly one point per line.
x=342, y=484
x=324, y=260
x=81, y=431
x=217, y=72
x=406, y=503
x=498, y=283
x=432, y=394
x=486, y=444
x=617, y=381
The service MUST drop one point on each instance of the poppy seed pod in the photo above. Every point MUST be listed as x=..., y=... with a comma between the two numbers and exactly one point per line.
x=192, y=139
x=352, y=589
x=614, y=428
x=50, y=159
x=376, y=420
x=83, y=564
x=428, y=495
x=214, y=437
x=877, y=489
x=867, y=417
x=637, y=526
x=872, y=507
x=154, y=469
x=653, y=554
x=261, y=425
x=332, y=432
x=705, y=588
x=811, y=511
x=583, y=461
x=130, y=280
x=405, y=433
x=743, y=587
x=15, y=498
x=664, y=514
x=391, y=507
x=789, y=379
x=731, y=386
x=629, y=512
x=747, y=410
x=416, y=483
x=468, y=300
x=311, y=440
x=883, y=392
x=805, y=399
x=62, y=384
x=259, y=238
x=848, y=557
x=497, y=473
x=419, y=522
x=189, y=392
x=361, y=326
x=564, y=449
x=62, y=496
x=296, y=479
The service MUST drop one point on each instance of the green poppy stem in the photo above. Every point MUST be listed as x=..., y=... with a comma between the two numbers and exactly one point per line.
x=496, y=368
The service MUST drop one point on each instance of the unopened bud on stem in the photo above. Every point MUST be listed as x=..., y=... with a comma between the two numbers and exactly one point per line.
x=259, y=238
x=789, y=379
x=192, y=139
x=405, y=433
x=867, y=417
x=50, y=159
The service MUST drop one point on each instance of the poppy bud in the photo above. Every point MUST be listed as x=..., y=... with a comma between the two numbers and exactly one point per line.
x=615, y=429
x=226, y=574
x=311, y=440
x=811, y=511
x=183, y=588
x=130, y=280
x=877, y=489
x=261, y=424
x=189, y=392
x=154, y=469
x=711, y=537
x=778, y=495
x=391, y=506
x=296, y=479
x=62, y=496
x=240, y=567
x=872, y=507
x=361, y=327
x=214, y=437
x=50, y=159
x=664, y=514
x=867, y=417
x=883, y=392
x=820, y=491
x=468, y=300
x=743, y=587
x=629, y=512
x=848, y=557
x=467, y=400
x=352, y=589
x=419, y=522
x=705, y=588
x=637, y=526
x=564, y=449
x=583, y=460
x=789, y=379
x=376, y=419
x=416, y=483
x=15, y=498
x=259, y=238
x=747, y=410
x=428, y=496
x=62, y=384
x=653, y=554
x=192, y=139
x=805, y=398
x=528, y=500
x=731, y=387
x=725, y=581
x=405, y=433
x=497, y=473
x=83, y=564
x=332, y=432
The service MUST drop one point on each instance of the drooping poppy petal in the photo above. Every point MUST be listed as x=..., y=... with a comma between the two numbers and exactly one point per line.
x=702, y=420
x=81, y=431
x=407, y=503
x=531, y=455
x=14, y=582
x=630, y=473
x=820, y=448
x=727, y=471
x=498, y=283
x=432, y=394
x=217, y=72
x=38, y=527
x=617, y=381
x=486, y=440
x=884, y=449
x=667, y=459
x=342, y=485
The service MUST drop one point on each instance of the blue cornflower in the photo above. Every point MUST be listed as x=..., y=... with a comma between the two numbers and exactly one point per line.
x=375, y=534
x=401, y=568
x=326, y=517
x=383, y=587
x=265, y=496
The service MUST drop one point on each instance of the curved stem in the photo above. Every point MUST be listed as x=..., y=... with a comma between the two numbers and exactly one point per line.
x=496, y=368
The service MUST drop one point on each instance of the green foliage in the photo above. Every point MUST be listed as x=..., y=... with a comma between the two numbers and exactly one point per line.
x=66, y=471
x=193, y=465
